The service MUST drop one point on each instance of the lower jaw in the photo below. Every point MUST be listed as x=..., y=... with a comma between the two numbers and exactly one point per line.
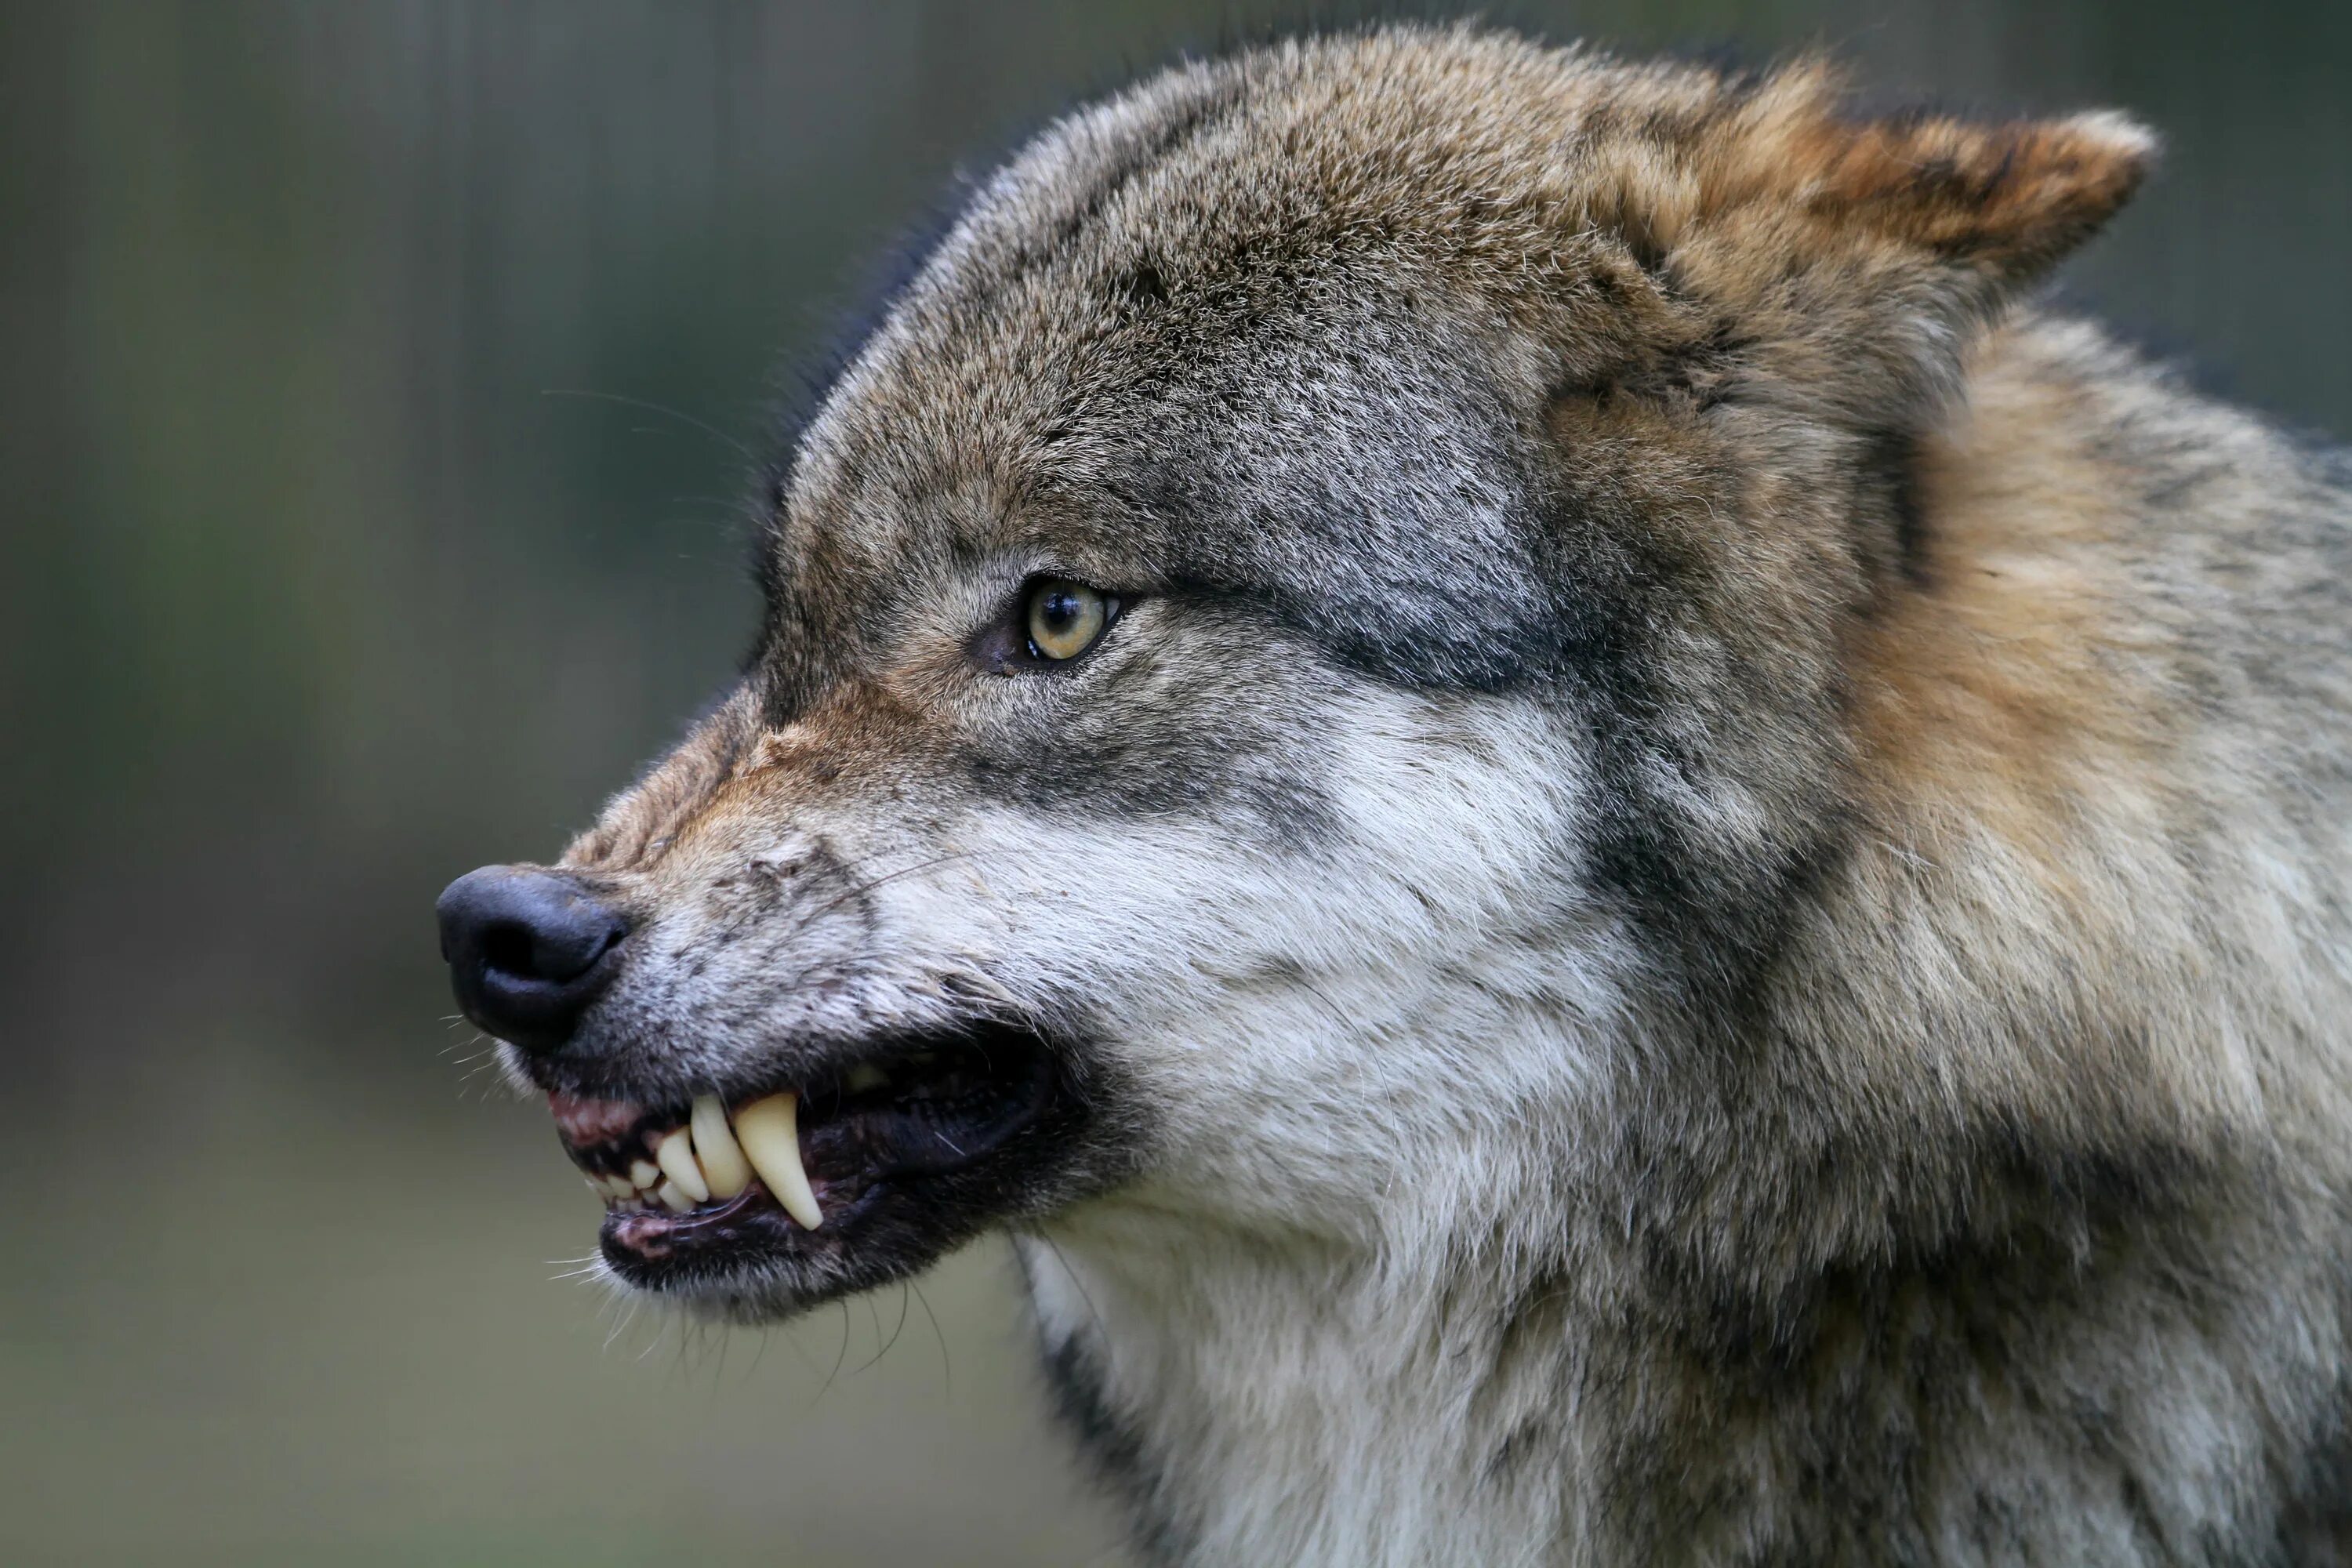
x=748, y=1236
x=635, y=1238
x=749, y=1264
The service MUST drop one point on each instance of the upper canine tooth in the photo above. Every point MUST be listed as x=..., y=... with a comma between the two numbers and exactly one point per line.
x=723, y=1165
x=675, y=1156
x=769, y=1131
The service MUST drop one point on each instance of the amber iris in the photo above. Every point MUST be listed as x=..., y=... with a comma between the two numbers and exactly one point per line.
x=1065, y=618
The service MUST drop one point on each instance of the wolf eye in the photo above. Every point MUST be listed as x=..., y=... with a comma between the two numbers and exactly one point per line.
x=1066, y=618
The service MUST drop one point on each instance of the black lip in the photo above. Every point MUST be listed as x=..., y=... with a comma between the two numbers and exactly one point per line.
x=745, y=1239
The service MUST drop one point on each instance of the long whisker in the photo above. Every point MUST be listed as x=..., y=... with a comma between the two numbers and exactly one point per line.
x=841, y=1356
x=865, y=888
x=1095, y=1313
x=713, y=431
x=947, y=1373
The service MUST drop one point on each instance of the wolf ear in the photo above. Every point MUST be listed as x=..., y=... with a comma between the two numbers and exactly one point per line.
x=2008, y=199
x=1820, y=225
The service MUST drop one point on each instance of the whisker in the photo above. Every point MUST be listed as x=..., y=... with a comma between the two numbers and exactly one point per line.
x=1101, y=1329
x=651, y=407
x=839, y=1356
x=947, y=1373
x=865, y=888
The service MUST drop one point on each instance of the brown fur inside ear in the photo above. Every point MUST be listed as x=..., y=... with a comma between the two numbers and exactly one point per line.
x=2013, y=197
x=2008, y=198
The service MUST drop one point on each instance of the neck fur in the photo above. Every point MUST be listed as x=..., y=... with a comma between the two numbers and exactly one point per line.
x=1265, y=1401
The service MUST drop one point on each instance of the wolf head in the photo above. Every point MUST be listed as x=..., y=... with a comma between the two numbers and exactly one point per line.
x=1323, y=604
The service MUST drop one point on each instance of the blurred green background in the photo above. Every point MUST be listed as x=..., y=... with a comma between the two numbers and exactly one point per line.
x=344, y=547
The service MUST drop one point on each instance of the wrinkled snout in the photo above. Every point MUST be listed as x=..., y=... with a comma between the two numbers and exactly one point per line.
x=528, y=950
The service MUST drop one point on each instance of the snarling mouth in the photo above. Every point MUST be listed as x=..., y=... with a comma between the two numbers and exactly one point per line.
x=791, y=1186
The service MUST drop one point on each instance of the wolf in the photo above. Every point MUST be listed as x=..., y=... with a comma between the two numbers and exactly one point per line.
x=1603, y=857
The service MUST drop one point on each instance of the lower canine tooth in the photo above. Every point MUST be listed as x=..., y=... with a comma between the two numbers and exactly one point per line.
x=723, y=1164
x=769, y=1131
x=675, y=1156
x=672, y=1199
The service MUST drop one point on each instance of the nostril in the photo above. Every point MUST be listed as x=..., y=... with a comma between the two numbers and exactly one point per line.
x=554, y=952
x=509, y=947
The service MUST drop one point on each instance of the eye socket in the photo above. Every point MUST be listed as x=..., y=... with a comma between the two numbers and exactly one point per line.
x=1065, y=619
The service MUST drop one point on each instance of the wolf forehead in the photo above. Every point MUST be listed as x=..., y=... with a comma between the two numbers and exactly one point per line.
x=1278, y=327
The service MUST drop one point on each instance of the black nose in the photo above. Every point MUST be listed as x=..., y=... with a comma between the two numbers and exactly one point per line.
x=528, y=950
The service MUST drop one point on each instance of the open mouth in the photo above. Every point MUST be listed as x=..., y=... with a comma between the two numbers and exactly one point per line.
x=728, y=1186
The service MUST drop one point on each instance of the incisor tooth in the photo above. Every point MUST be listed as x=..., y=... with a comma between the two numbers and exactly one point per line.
x=769, y=1131
x=675, y=1156
x=723, y=1166
x=672, y=1199
x=644, y=1173
x=618, y=1187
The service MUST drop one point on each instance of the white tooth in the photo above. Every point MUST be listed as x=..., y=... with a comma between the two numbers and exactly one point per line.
x=723, y=1166
x=864, y=1077
x=643, y=1174
x=675, y=1156
x=769, y=1131
x=672, y=1199
x=618, y=1187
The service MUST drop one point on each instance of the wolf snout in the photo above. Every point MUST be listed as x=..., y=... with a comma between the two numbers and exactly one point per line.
x=528, y=950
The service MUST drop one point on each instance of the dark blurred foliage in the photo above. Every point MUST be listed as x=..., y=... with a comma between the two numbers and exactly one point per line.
x=381, y=389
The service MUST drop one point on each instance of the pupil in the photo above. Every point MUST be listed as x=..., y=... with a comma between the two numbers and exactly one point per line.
x=1061, y=610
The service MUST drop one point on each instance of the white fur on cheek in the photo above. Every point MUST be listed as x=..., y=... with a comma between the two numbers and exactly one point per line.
x=1299, y=1019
